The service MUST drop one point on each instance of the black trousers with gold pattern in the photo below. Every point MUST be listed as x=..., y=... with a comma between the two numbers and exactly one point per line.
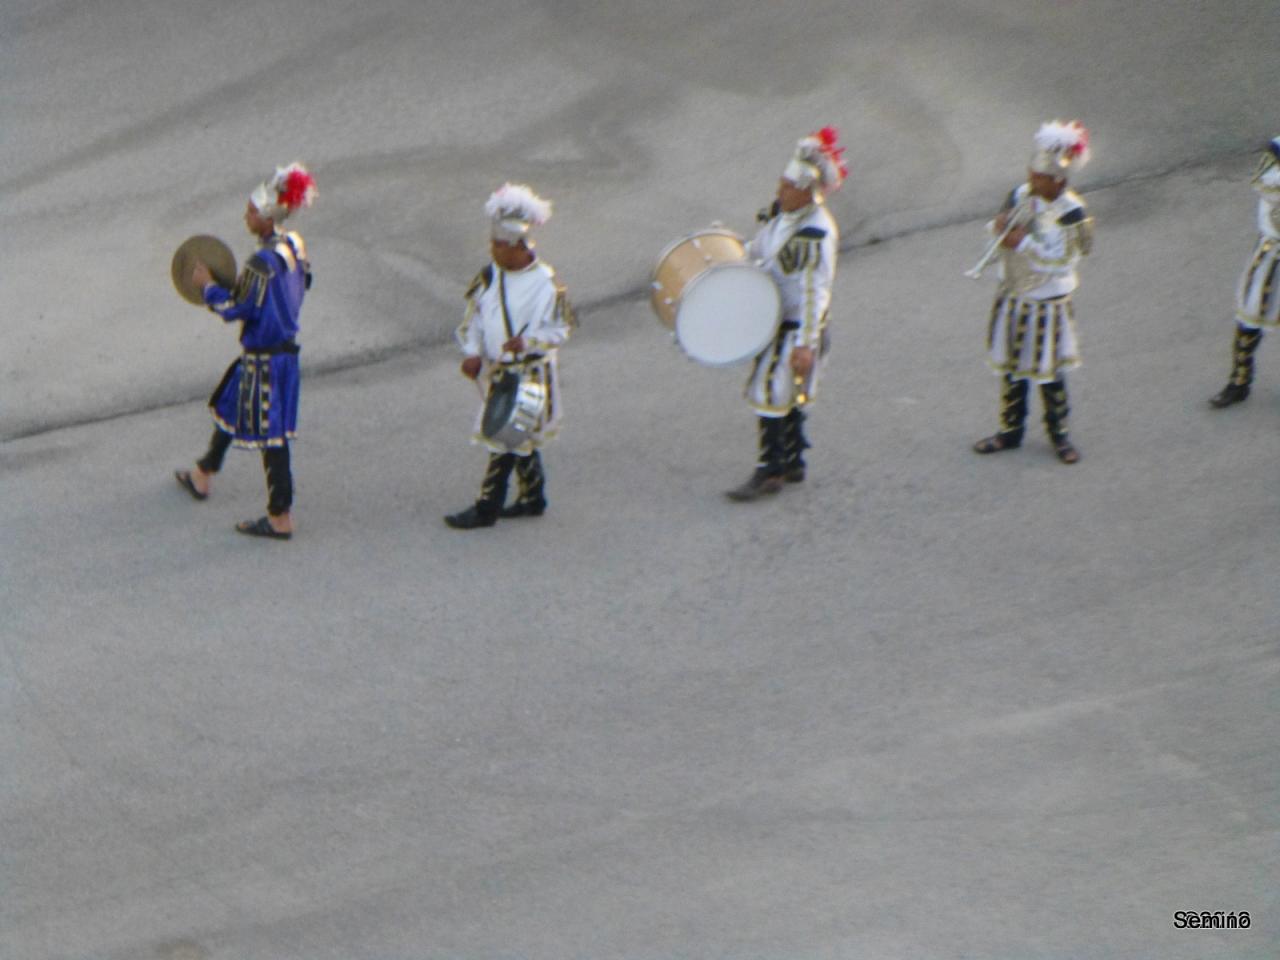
x=1014, y=408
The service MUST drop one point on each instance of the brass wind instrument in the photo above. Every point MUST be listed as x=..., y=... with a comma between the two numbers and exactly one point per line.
x=1019, y=216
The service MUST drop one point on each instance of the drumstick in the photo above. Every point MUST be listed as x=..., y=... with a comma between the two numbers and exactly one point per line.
x=519, y=333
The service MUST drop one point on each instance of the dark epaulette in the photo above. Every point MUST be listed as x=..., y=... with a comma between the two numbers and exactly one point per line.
x=811, y=233
x=481, y=281
x=262, y=265
x=1011, y=201
x=1072, y=216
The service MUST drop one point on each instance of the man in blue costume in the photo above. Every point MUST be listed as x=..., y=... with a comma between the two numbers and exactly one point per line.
x=256, y=404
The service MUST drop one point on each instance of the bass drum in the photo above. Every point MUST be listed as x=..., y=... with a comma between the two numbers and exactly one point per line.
x=514, y=406
x=722, y=308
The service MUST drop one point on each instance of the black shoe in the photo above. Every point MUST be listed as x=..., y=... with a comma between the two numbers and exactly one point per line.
x=1231, y=393
x=794, y=474
x=535, y=508
x=471, y=518
x=760, y=485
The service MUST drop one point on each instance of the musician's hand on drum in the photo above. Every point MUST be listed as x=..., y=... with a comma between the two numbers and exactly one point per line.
x=802, y=361
x=200, y=275
x=471, y=367
x=514, y=345
x=1014, y=237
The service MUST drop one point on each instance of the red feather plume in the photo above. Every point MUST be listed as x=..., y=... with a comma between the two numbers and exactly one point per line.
x=1083, y=143
x=829, y=137
x=298, y=189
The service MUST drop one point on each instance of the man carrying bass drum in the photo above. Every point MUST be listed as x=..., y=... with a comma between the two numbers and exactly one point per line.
x=797, y=244
x=517, y=315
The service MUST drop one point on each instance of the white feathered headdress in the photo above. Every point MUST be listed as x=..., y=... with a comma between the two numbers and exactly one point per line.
x=1061, y=148
x=291, y=188
x=515, y=210
x=818, y=161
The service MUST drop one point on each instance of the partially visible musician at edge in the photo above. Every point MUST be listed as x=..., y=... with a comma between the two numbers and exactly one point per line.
x=256, y=404
x=1258, y=292
x=517, y=314
x=797, y=245
x=1043, y=232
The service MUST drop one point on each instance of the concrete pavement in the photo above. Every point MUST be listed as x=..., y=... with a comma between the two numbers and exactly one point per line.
x=927, y=705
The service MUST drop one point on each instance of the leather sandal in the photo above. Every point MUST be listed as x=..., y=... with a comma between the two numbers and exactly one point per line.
x=184, y=480
x=994, y=444
x=1066, y=452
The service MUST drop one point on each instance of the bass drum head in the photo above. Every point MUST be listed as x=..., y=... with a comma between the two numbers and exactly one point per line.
x=728, y=314
x=500, y=405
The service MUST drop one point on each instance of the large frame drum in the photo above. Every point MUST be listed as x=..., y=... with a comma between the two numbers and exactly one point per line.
x=722, y=308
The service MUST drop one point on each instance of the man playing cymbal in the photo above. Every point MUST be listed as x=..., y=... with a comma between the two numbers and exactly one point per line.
x=256, y=404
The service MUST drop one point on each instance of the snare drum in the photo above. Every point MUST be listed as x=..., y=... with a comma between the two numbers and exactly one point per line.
x=513, y=409
x=721, y=308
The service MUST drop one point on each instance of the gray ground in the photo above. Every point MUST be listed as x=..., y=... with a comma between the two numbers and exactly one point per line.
x=927, y=706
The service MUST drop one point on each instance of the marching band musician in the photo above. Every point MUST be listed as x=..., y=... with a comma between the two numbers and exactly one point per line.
x=256, y=404
x=1258, y=293
x=797, y=244
x=517, y=315
x=1042, y=233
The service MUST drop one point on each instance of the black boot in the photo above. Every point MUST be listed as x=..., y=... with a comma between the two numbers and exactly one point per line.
x=794, y=445
x=493, y=493
x=532, y=501
x=1242, y=350
x=767, y=478
x=1231, y=393
x=1013, y=418
x=759, y=484
x=1056, y=409
x=471, y=518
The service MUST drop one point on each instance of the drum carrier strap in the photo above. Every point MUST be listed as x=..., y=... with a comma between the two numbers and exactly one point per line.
x=502, y=296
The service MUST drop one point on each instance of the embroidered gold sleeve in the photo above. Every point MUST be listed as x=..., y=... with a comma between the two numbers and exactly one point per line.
x=478, y=285
x=1084, y=236
x=251, y=287
x=800, y=253
x=564, y=312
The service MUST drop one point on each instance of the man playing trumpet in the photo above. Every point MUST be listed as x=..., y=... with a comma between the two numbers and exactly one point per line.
x=1042, y=233
x=797, y=244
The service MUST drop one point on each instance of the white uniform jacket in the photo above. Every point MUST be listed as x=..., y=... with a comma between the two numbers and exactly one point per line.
x=1043, y=267
x=799, y=251
x=530, y=303
x=1258, y=293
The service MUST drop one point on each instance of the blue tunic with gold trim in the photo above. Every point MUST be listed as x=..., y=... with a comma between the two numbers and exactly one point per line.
x=257, y=400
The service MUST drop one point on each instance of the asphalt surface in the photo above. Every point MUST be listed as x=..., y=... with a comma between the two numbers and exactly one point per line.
x=925, y=705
